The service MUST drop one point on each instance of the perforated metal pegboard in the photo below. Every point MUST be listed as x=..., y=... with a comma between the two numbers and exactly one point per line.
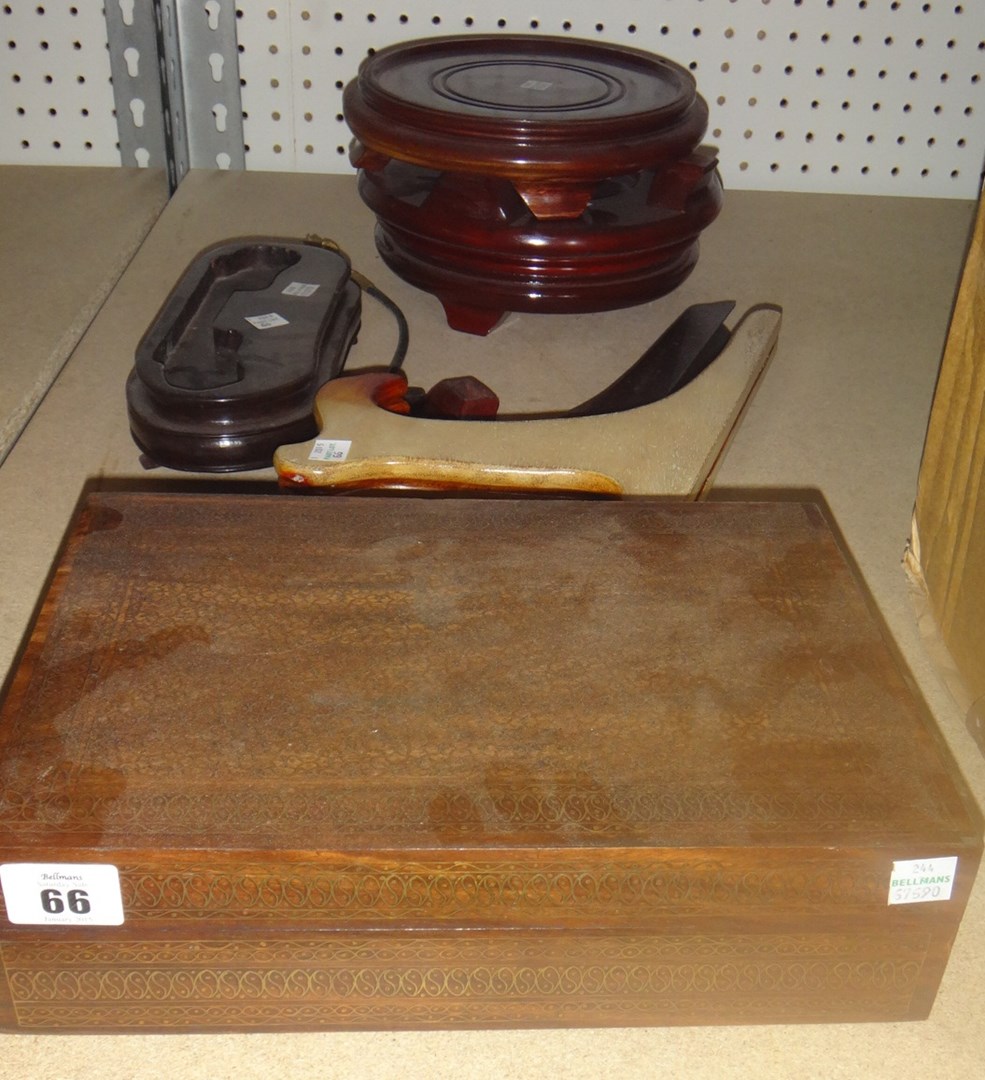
x=869, y=96
x=877, y=96
x=56, y=98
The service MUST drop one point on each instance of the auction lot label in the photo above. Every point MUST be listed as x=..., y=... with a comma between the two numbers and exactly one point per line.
x=62, y=894
x=920, y=881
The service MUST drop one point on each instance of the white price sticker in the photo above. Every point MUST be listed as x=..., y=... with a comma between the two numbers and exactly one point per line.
x=266, y=322
x=920, y=881
x=62, y=894
x=330, y=450
x=299, y=288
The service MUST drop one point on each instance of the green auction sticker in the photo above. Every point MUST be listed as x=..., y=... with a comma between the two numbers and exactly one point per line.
x=921, y=881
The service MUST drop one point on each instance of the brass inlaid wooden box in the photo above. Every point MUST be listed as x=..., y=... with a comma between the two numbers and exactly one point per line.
x=287, y=762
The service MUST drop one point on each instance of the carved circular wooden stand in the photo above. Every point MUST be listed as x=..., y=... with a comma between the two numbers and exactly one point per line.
x=530, y=173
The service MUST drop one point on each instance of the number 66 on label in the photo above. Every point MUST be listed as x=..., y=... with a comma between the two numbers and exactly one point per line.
x=62, y=894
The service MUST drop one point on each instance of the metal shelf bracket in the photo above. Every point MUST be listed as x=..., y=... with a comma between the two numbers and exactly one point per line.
x=176, y=84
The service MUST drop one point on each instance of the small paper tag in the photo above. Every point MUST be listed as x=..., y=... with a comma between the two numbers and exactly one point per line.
x=920, y=881
x=266, y=322
x=330, y=450
x=62, y=894
x=300, y=288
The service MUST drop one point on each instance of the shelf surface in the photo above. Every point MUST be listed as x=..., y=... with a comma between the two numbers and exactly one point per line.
x=67, y=235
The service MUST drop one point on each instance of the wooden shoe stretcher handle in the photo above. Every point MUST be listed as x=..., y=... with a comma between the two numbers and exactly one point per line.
x=668, y=447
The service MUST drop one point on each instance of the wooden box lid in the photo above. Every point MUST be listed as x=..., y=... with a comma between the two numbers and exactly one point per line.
x=422, y=712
